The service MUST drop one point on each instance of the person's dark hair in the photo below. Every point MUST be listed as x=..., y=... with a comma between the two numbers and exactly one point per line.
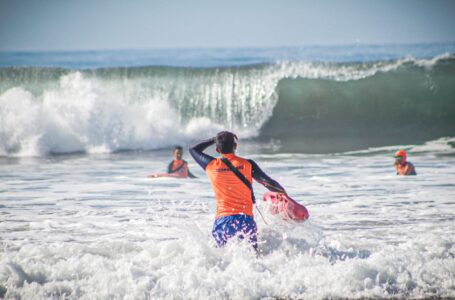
x=225, y=141
x=178, y=148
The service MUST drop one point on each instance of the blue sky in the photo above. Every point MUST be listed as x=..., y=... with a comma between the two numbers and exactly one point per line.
x=141, y=24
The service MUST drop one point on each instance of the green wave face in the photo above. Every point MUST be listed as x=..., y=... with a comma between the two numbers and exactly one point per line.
x=305, y=106
x=408, y=105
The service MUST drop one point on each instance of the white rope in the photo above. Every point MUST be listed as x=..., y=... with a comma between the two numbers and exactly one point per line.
x=263, y=219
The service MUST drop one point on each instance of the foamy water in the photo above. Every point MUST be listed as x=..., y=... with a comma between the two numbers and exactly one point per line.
x=93, y=227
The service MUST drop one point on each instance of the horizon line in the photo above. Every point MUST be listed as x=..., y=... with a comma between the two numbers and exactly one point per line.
x=353, y=44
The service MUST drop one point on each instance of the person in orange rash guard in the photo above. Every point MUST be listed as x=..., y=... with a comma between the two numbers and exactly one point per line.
x=234, y=199
x=402, y=166
x=177, y=167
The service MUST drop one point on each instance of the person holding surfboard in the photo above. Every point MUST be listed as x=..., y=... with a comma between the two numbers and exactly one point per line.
x=178, y=167
x=231, y=178
x=403, y=166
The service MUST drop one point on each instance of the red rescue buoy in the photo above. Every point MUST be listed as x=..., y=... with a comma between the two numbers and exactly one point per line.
x=285, y=206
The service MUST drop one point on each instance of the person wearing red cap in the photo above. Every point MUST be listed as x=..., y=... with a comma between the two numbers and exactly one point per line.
x=231, y=178
x=403, y=166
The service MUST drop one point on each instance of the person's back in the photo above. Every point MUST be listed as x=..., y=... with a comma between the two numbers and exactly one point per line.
x=233, y=196
x=233, y=192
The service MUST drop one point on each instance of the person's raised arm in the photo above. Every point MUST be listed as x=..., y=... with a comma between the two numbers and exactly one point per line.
x=199, y=156
x=262, y=178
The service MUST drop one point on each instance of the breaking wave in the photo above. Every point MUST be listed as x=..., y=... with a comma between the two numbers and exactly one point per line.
x=54, y=110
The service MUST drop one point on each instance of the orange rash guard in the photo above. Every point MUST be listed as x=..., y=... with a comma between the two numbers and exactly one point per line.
x=233, y=197
x=178, y=168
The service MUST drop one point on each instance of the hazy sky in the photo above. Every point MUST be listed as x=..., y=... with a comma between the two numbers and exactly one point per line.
x=126, y=24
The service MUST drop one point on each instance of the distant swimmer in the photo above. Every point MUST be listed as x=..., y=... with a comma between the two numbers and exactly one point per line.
x=231, y=178
x=177, y=167
x=402, y=166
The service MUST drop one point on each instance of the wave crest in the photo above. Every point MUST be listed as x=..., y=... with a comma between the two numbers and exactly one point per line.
x=58, y=111
x=81, y=115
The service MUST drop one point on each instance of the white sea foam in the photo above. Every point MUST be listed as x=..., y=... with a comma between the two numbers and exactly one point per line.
x=85, y=227
x=85, y=115
x=441, y=146
x=429, y=63
x=347, y=72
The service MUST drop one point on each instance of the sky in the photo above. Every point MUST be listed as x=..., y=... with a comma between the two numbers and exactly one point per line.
x=46, y=25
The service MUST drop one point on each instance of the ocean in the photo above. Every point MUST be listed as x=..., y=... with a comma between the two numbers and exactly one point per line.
x=79, y=132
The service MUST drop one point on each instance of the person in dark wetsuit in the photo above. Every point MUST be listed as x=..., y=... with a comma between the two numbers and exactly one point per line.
x=178, y=167
x=234, y=199
x=403, y=166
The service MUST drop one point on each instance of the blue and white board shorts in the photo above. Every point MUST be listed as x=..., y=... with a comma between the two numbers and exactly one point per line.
x=241, y=226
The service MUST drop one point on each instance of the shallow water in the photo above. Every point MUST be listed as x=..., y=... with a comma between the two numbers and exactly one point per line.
x=93, y=227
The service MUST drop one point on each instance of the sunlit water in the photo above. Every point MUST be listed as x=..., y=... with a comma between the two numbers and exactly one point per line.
x=93, y=227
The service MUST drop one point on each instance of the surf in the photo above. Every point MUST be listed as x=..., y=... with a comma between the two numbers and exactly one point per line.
x=303, y=106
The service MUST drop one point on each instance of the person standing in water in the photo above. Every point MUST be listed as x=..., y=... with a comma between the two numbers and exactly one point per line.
x=403, y=166
x=231, y=178
x=178, y=167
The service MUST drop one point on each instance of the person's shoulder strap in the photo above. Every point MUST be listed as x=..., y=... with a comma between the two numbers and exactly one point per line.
x=178, y=168
x=240, y=176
